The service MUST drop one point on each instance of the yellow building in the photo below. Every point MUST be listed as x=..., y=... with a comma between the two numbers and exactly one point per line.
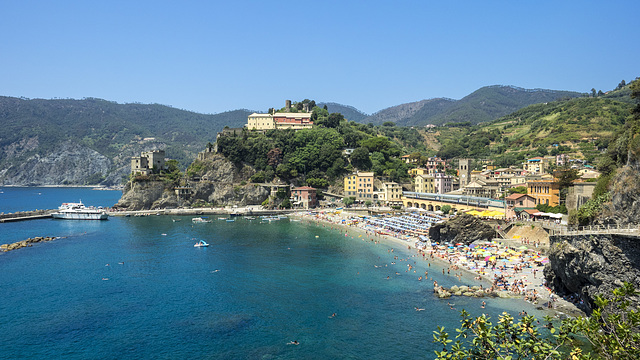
x=260, y=122
x=279, y=121
x=393, y=193
x=359, y=185
x=417, y=171
x=544, y=191
x=425, y=184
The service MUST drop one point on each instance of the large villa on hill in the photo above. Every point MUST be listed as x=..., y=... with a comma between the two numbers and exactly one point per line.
x=279, y=121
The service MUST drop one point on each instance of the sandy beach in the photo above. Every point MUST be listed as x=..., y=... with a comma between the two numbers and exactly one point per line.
x=529, y=277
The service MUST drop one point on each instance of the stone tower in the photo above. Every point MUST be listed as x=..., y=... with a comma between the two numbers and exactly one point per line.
x=464, y=172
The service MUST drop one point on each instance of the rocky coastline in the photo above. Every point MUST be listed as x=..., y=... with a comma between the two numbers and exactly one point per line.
x=25, y=243
x=592, y=265
x=463, y=229
x=220, y=182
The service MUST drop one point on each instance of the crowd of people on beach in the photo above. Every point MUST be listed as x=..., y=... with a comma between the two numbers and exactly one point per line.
x=510, y=270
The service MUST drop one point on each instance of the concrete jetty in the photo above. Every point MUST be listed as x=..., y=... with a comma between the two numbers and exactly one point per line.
x=26, y=215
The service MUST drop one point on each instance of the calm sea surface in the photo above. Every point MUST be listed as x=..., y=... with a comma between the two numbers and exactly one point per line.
x=256, y=288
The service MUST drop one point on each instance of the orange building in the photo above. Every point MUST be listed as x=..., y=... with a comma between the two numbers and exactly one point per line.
x=544, y=191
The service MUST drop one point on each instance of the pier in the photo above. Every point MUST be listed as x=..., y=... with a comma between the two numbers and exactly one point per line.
x=26, y=215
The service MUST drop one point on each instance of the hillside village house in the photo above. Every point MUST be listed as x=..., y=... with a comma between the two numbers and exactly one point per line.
x=359, y=185
x=579, y=193
x=393, y=193
x=424, y=184
x=418, y=171
x=304, y=197
x=408, y=159
x=147, y=162
x=443, y=183
x=390, y=194
x=546, y=191
x=483, y=188
x=516, y=203
x=538, y=165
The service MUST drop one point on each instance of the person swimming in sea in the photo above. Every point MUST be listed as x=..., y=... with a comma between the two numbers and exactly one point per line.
x=294, y=342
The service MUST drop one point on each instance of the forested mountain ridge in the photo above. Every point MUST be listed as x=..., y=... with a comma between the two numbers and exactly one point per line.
x=47, y=134
x=349, y=112
x=400, y=114
x=581, y=127
x=483, y=105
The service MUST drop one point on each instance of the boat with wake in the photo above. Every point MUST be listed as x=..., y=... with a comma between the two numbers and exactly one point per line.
x=201, y=220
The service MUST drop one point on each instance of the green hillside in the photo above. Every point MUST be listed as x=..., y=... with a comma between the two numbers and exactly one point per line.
x=582, y=127
x=106, y=127
x=349, y=112
x=487, y=104
x=483, y=105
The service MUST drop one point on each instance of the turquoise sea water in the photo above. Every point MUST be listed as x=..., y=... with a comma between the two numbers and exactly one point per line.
x=256, y=288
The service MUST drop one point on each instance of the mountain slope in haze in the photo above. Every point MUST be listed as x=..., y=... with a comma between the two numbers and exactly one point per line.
x=108, y=133
x=349, y=112
x=491, y=102
x=485, y=104
x=399, y=114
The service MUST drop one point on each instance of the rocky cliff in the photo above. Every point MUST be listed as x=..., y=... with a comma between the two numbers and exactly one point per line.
x=462, y=229
x=220, y=182
x=68, y=164
x=592, y=264
x=624, y=207
x=596, y=264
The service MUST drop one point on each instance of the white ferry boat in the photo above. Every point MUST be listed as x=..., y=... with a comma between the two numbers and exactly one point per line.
x=77, y=211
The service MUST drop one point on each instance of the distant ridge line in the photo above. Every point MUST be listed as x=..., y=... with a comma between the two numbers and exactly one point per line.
x=523, y=89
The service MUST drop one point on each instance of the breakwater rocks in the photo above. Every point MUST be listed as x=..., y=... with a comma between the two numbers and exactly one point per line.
x=590, y=265
x=462, y=229
x=471, y=291
x=25, y=243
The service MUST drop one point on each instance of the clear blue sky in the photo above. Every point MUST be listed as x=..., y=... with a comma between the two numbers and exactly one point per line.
x=214, y=56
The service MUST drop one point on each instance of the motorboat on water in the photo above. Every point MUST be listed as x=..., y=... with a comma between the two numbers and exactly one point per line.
x=77, y=211
x=201, y=220
x=201, y=243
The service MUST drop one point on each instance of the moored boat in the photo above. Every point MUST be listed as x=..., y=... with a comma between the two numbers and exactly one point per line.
x=201, y=220
x=77, y=211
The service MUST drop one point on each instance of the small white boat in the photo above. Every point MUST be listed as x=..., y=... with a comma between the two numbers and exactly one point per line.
x=200, y=220
x=201, y=243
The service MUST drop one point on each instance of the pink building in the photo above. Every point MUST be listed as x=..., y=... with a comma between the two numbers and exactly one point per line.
x=304, y=197
x=443, y=183
x=516, y=203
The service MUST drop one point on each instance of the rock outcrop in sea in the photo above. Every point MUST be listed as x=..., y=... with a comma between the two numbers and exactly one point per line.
x=25, y=243
x=462, y=229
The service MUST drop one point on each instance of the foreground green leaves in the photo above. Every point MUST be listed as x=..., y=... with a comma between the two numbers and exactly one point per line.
x=611, y=332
